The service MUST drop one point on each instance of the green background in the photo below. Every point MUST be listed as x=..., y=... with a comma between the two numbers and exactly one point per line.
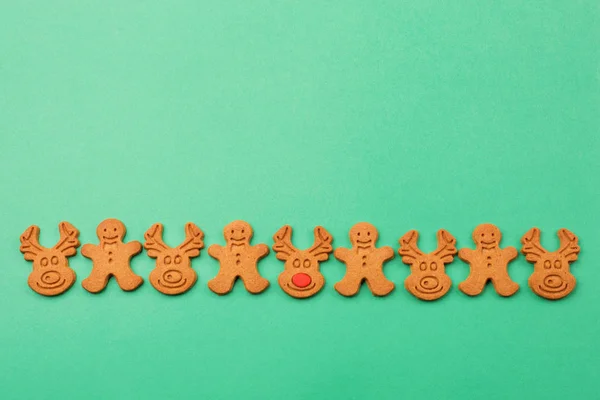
x=408, y=114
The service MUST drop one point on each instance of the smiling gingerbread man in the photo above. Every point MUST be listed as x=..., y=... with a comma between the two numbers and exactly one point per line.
x=364, y=262
x=111, y=258
x=238, y=259
x=488, y=262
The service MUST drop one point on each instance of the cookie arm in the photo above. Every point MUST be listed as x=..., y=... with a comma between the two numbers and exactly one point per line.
x=465, y=254
x=386, y=253
x=261, y=250
x=133, y=248
x=342, y=253
x=510, y=253
x=216, y=251
x=88, y=250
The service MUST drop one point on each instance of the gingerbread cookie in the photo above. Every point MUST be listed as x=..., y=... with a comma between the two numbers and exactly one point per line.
x=111, y=258
x=364, y=262
x=427, y=279
x=238, y=259
x=51, y=273
x=301, y=277
x=488, y=262
x=551, y=278
x=173, y=274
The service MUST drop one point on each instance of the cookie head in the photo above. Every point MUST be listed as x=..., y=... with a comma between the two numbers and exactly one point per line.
x=51, y=274
x=428, y=279
x=238, y=232
x=363, y=235
x=301, y=277
x=487, y=236
x=111, y=231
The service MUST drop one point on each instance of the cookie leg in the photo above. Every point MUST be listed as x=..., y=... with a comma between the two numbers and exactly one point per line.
x=504, y=285
x=473, y=285
x=222, y=283
x=127, y=280
x=379, y=284
x=96, y=282
x=349, y=285
x=253, y=282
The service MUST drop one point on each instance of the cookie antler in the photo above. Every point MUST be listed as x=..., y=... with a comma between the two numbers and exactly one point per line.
x=283, y=243
x=69, y=239
x=446, y=246
x=154, y=243
x=532, y=248
x=30, y=245
x=322, y=245
x=409, y=250
x=193, y=240
x=569, y=248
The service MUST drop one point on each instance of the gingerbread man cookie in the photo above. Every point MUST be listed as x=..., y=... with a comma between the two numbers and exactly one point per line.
x=173, y=274
x=301, y=277
x=551, y=278
x=427, y=279
x=488, y=262
x=238, y=259
x=111, y=258
x=51, y=273
x=364, y=262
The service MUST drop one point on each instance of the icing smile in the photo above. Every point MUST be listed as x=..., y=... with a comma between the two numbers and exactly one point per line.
x=309, y=287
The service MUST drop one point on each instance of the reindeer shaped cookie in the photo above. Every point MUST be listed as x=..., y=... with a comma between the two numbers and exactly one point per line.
x=488, y=262
x=551, y=278
x=301, y=277
x=238, y=259
x=364, y=262
x=173, y=273
x=51, y=273
x=427, y=279
x=111, y=258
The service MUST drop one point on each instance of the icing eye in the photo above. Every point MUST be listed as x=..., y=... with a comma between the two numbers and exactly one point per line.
x=168, y=260
x=242, y=231
x=358, y=234
x=483, y=234
x=547, y=264
x=232, y=231
x=492, y=234
x=296, y=263
x=423, y=266
x=44, y=262
x=104, y=229
x=54, y=260
x=368, y=233
x=177, y=259
x=557, y=264
x=433, y=266
x=306, y=263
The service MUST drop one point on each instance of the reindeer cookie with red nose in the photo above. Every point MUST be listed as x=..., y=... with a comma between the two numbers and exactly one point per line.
x=551, y=278
x=51, y=273
x=238, y=259
x=173, y=274
x=488, y=262
x=364, y=262
x=111, y=258
x=427, y=279
x=301, y=277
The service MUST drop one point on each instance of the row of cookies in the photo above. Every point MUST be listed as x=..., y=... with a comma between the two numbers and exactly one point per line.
x=301, y=277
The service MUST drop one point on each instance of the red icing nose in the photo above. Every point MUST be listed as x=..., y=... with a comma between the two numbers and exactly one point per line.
x=301, y=280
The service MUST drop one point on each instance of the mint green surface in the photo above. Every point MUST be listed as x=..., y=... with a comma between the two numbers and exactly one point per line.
x=408, y=114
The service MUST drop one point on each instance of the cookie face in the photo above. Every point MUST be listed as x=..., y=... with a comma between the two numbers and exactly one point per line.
x=551, y=278
x=301, y=277
x=364, y=262
x=111, y=231
x=51, y=273
x=173, y=274
x=428, y=279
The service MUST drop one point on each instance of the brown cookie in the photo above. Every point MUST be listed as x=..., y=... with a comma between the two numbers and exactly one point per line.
x=364, y=262
x=551, y=278
x=238, y=259
x=173, y=274
x=301, y=277
x=51, y=273
x=488, y=262
x=111, y=258
x=428, y=279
